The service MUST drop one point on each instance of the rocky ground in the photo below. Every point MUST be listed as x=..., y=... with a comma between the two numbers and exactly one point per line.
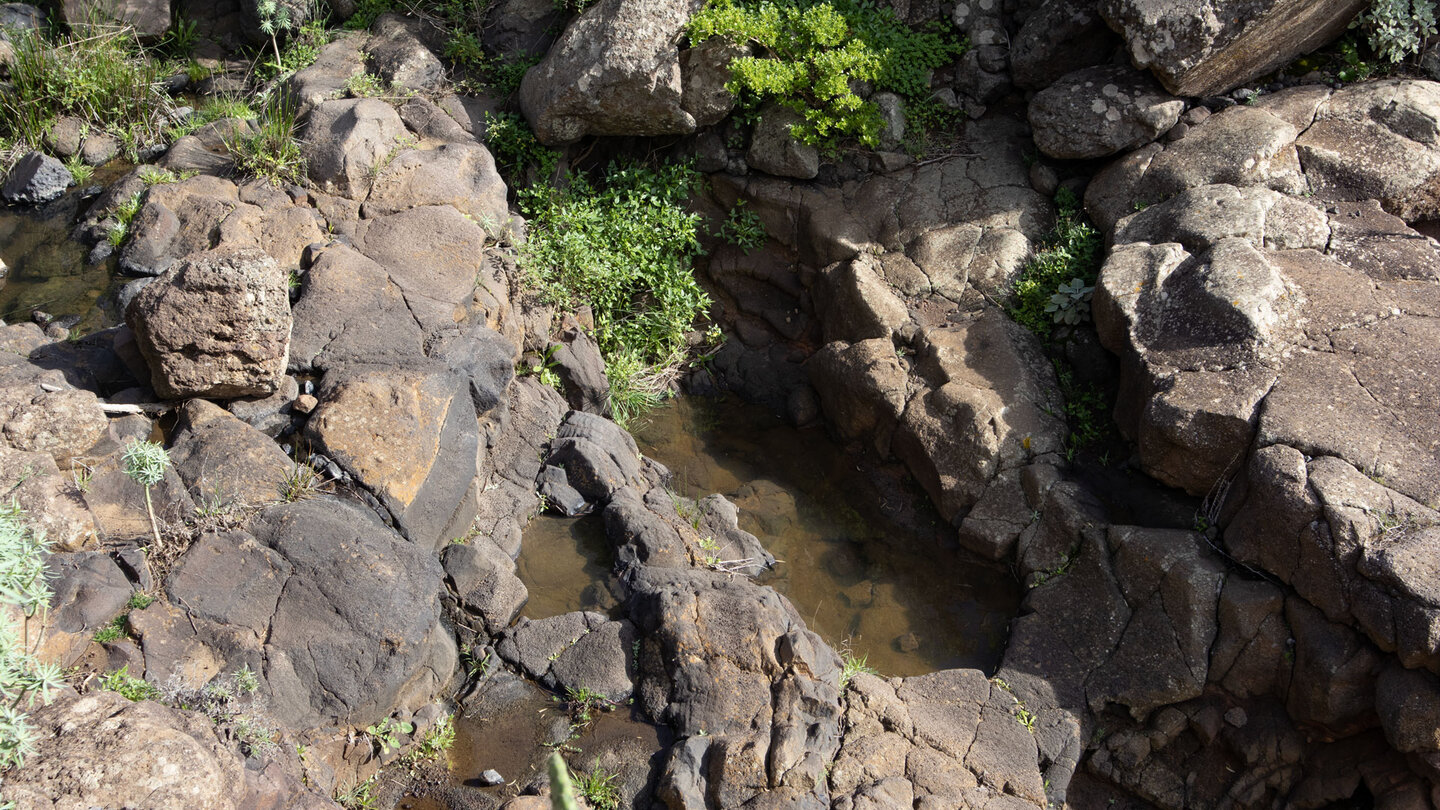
x=1267, y=310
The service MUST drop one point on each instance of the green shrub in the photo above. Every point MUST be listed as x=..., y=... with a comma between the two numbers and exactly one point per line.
x=100, y=75
x=1398, y=28
x=301, y=51
x=24, y=679
x=624, y=247
x=122, y=683
x=516, y=149
x=815, y=50
x=1070, y=253
x=743, y=228
x=366, y=12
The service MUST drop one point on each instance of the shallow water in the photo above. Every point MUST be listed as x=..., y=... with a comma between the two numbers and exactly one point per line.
x=48, y=270
x=864, y=557
x=566, y=563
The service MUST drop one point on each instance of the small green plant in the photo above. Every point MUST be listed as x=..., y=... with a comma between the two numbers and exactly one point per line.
x=743, y=228
x=359, y=796
x=272, y=151
x=711, y=549
x=516, y=148
x=366, y=12
x=582, y=704
x=145, y=463
x=464, y=48
x=301, y=484
x=815, y=51
x=180, y=39
x=1071, y=253
x=364, y=85
x=113, y=630
x=385, y=735
x=122, y=683
x=852, y=666
x=1070, y=303
x=1026, y=718
x=156, y=176
x=125, y=213
x=81, y=171
x=1397, y=28
x=434, y=743
x=475, y=662
x=598, y=788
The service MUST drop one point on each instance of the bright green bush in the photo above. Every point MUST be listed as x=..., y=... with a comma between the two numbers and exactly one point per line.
x=1070, y=253
x=816, y=49
x=623, y=246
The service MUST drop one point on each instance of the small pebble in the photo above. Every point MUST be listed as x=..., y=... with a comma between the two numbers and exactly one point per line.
x=305, y=403
x=491, y=778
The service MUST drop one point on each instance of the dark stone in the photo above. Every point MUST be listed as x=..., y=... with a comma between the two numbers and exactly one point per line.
x=483, y=579
x=36, y=178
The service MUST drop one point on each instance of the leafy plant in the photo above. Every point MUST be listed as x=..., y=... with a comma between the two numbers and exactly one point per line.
x=24, y=679
x=128, y=686
x=1070, y=253
x=1397, y=28
x=814, y=53
x=435, y=742
x=79, y=170
x=385, y=735
x=145, y=463
x=515, y=146
x=366, y=12
x=743, y=228
x=124, y=214
x=359, y=796
x=625, y=248
x=1070, y=303
x=306, y=42
x=852, y=666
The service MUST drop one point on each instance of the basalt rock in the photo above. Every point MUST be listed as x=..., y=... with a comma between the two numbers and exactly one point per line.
x=1099, y=111
x=36, y=178
x=217, y=324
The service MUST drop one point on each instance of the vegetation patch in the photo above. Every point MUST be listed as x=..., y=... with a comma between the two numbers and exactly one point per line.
x=272, y=150
x=814, y=53
x=1054, y=287
x=622, y=245
x=24, y=679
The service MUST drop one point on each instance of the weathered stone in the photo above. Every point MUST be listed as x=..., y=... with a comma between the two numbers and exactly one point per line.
x=399, y=58
x=36, y=178
x=1099, y=111
x=149, y=18
x=346, y=140
x=1223, y=43
x=1407, y=702
x=705, y=72
x=1059, y=37
x=615, y=71
x=216, y=325
x=774, y=150
x=224, y=461
x=521, y=28
x=322, y=80
x=459, y=175
x=64, y=424
x=483, y=579
x=598, y=456
x=51, y=499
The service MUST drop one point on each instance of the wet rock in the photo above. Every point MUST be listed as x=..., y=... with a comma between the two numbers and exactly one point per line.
x=559, y=495
x=598, y=456
x=410, y=436
x=346, y=140
x=1099, y=111
x=615, y=71
x=86, y=754
x=36, y=178
x=491, y=778
x=483, y=580
x=1059, y=37
x=149, y=18
x=224, y=461
x=216, y=325
x=1201, y=54
x=774, y=150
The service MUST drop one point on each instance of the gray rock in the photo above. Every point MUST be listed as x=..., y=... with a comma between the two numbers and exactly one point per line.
x=396, y=54
x=461, y=175
x=297, y=12
x=99, y=149
x=598, y=456
x=226, y=462
x=1207, y=51
x=216, y=325
x=516, y=29
x=346, y=140
x=774, y=150
x=581, y=369
x=36, y=178
x=491, y=778
x=1060, y=37
x=149, y=18
x=328, y=75
x=1099, y=111
x=1408, y=702
x=272, y=415
x=615, y=71
x=705, y=71
x=559, y=495
x=64, y=137
x=88, y=590
x=483, y=579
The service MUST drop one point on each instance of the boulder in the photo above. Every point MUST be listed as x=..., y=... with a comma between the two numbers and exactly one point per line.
x=65, y=423
x=409, y=435
x=577, y=362
x=461, y=175
x=149, y=18
x=345, y=142
x=88, y=590
x=484, y=582
x=85, y=755
x=1209, y=50
x=1059, y=37
x=326, y=77
x=575, y=651
x=774, y=150
x=396, y=54
x=705, y=74
x=216, y=325
x=598, y=456
x=1099, y=111
x=53, y=500
x=36, y=178
x=224, y=461
x=615, y=71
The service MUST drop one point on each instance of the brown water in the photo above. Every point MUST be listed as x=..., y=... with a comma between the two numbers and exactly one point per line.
x=864, y=557
x=48, y=270
x=566, y=564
